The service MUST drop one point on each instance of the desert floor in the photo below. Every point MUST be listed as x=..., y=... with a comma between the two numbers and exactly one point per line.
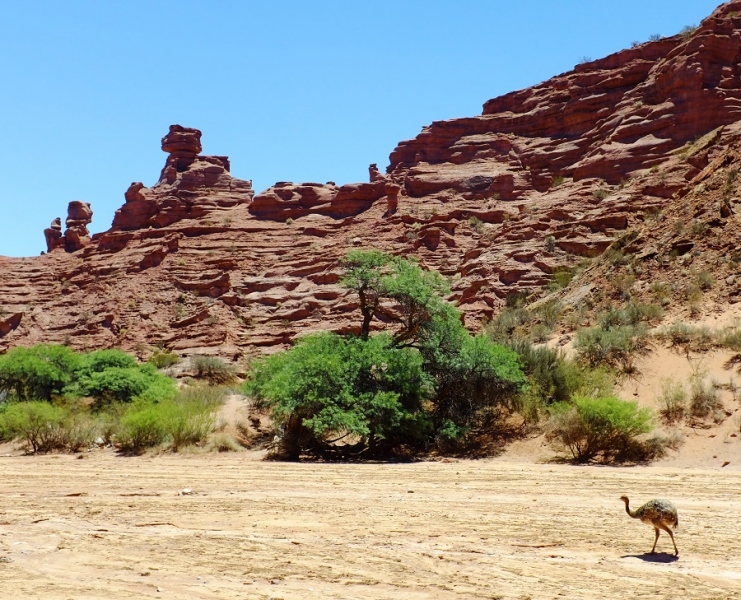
x=110, y=527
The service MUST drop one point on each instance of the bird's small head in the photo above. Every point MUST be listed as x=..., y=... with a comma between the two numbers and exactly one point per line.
x=624, y=499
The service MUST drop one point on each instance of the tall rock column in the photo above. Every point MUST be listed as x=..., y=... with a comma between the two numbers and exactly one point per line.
x=79, y=216
x=53, y=235
x=183, y=144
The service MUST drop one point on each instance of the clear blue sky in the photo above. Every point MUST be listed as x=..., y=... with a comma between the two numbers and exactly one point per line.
x=290, y=90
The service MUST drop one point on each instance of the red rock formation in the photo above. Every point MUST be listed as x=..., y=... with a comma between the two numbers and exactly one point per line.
x=53, y=235
x=498, y=202
x=190, y=186
x=79, y=216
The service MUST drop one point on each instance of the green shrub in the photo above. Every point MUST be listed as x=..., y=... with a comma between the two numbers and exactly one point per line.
x=503, y=327
x=474, y=380
x=163, y=359
x=193, y=415
x=705, y=280
x=672, y=401
x=540, y=333
x=115, y=384
x=682, y=334
x=623, y=284
x=731, y=339
x=183, y=420
x=38, y=423
x=549, y=313
x=189, y=423
x=557, y=181
x=213, y=369
x=37, y=373
x=143, y=425
x=632, y=313
x=662, y=291
x=614, y=346
x=562, y=278
x=600, y=194
x=704, y=400
x=101, y=360
x=477, y=225
x=123, y=384
x=605, y=429
x=552, y=378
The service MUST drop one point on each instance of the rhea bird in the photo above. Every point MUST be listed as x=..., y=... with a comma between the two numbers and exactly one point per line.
x=660, y=514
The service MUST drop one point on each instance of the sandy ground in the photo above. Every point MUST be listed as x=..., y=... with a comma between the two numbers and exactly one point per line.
x=111, y=527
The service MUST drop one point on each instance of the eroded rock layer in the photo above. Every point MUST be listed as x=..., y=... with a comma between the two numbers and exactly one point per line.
x=544, y=178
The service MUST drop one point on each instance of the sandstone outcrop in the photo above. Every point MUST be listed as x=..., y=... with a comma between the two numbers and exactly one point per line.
x=77, y=236
x=543, y=179
x=190, y=186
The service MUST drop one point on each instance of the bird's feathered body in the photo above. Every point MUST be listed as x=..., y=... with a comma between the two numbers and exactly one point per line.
x=658, y=511
x=660, y=514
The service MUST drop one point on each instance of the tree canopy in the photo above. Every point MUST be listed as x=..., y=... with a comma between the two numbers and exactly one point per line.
x=426, y=382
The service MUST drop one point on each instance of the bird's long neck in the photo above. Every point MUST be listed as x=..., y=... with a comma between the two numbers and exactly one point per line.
x=627, y=509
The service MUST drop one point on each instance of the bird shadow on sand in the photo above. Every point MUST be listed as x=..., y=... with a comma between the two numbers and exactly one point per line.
x=658, y=557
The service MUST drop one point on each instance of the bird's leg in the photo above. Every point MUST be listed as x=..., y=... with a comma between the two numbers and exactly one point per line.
x=653, y=550
x=671, y=535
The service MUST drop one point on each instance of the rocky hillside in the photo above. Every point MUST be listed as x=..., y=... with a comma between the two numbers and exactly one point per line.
x=542, y=179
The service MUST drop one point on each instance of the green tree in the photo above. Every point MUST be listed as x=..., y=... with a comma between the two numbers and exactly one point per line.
x=329, y=387
x=37, y=373
x=364, y=274
x=429, y=381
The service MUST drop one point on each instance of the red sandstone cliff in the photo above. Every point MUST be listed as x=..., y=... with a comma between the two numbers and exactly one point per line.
x=544, y=177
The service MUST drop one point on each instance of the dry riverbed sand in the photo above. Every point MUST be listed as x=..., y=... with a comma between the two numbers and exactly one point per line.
x=111, y=527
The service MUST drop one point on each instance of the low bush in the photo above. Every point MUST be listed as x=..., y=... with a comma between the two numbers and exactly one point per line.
x=623, y=284
x=38, y=423
x=561, y=279
x=614, y=346
x=553, y=378
x=185, y=420
x=549, y=313
x=600, y=194
x=540, y=333
x=213, y=369
x=604, y=429
x=705, y=280
x=477, y=225
x=191, y=417
x=143, y=425
x=681, y=334
x=731, y=339
x=503, y=327
x=632, y=313
x=672, y=401
x=705, y=400
x=223, y=442
x=163, y=359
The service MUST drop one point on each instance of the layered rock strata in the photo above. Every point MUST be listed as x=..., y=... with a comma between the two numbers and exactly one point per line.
x=544, y=178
